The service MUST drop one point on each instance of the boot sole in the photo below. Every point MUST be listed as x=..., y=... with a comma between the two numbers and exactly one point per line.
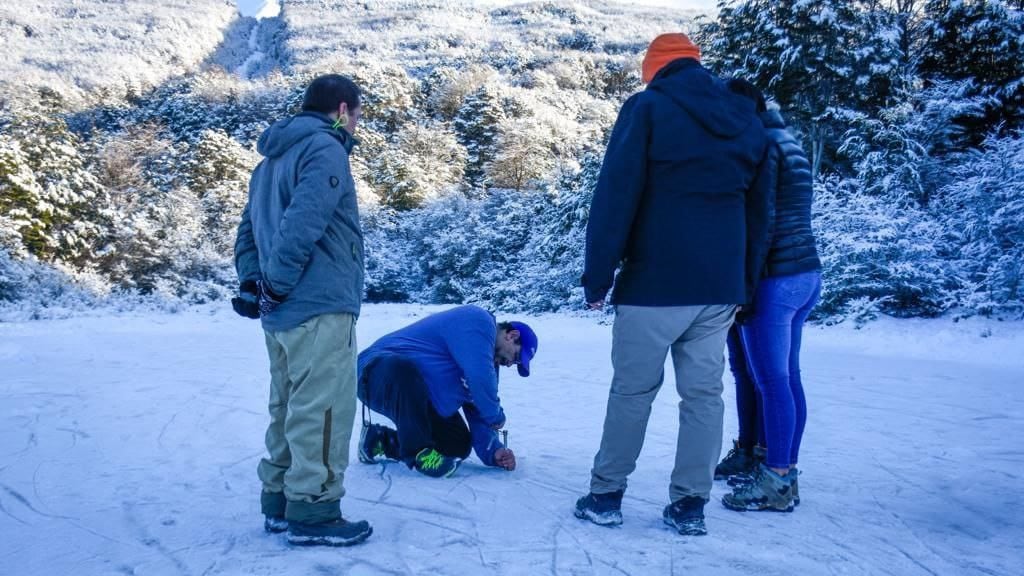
x=275, y=526
x=614, y=520
x=755, y=507
x=685, y=532
x=333, y=541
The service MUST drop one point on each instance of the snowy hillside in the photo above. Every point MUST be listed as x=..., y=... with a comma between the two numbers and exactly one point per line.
x=130, y=446
x=76, y=47
x=420, y=34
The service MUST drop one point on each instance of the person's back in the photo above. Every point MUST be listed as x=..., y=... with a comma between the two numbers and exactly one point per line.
x=298, y=254
x=449, y=348
x=685, y=165
x=692, y=150
x=764, y=347
x=321, y=230
x=793, y=247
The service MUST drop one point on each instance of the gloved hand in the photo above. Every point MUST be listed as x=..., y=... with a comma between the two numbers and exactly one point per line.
x=744, y=313
x=268, y=300
x=246, y=303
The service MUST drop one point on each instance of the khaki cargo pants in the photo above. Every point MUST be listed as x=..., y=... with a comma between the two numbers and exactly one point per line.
x=312, y=409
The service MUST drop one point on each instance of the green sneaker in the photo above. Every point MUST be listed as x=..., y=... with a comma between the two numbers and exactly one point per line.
x=434, y=464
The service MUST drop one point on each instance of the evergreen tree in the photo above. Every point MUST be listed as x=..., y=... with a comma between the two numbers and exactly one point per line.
x=218, y=171
x=981, y=41
x=901, y=152
x=879, y=257
x=816, y=59
x=477, y=127
x=553, y=266
x=983, y=206
x=393, y=273
x=46, y=190
x=425, y=161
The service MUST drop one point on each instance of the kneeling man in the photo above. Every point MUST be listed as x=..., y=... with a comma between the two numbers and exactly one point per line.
x=420, y=376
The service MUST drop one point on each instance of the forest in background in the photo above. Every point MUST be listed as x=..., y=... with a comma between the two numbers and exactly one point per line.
x=484, y=127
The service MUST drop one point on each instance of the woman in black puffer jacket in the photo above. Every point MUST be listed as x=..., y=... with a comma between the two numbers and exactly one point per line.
x=768, y=338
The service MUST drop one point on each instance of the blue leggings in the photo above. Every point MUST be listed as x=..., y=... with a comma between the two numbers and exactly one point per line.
x=771, y=339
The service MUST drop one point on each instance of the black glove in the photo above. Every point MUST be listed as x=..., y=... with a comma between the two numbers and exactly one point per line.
x=245, y=304
x=268, y=301
x=745, y=313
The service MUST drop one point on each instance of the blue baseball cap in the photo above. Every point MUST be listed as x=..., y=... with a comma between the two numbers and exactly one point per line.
x=528, y=343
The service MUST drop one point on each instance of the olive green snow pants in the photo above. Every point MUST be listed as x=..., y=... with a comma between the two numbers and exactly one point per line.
x=312, y=409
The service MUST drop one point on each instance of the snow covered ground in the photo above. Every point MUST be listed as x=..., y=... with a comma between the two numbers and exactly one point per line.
x=130, y=444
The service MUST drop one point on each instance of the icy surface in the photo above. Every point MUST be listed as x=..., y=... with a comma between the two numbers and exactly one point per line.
x=130, y=445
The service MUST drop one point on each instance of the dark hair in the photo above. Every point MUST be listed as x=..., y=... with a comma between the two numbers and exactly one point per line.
x=748, y=90
x=325, y=93
x=507, y=327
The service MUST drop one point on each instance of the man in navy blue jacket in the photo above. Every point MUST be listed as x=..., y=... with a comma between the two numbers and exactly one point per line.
x=420, y=376
x=678, y=206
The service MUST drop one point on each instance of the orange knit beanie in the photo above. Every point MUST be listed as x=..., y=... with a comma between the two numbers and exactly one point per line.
x=666, y=48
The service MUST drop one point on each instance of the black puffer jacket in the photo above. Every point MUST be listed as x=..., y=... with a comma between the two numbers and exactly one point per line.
x=792, y=245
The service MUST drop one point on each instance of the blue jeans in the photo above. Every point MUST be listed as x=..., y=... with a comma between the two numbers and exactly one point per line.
x=772, y=341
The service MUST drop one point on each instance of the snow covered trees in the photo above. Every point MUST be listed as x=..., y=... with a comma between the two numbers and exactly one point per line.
x=816, y=59
x=482, y=136
x=48, y=196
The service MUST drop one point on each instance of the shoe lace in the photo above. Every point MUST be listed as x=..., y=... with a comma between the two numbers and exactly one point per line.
x=431, y=460
x=748, y=489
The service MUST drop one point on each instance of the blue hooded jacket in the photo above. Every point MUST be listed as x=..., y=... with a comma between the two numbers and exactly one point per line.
x=454, y=352
x=680, y=198
x=300, y=229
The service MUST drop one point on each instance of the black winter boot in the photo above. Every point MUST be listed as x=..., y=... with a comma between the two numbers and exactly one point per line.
x=601, y=509
x=686, y=515
x=738, y=461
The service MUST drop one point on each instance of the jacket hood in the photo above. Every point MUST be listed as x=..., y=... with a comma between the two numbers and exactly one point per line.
x=704, y=98
x=284, y=134
x=772, y=119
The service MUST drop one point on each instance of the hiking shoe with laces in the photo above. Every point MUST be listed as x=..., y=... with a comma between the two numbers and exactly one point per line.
x=274, y=524
x=377, y=444
x=686, y=515
x=434, y=464
x=739, y=460
x=740, y=479
x=601, y=509
x=339, y=532
x=767, y=491
x=747, y=476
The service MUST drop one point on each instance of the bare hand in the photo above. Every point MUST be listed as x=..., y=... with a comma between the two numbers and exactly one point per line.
x=599, y=304
x=505, y=458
